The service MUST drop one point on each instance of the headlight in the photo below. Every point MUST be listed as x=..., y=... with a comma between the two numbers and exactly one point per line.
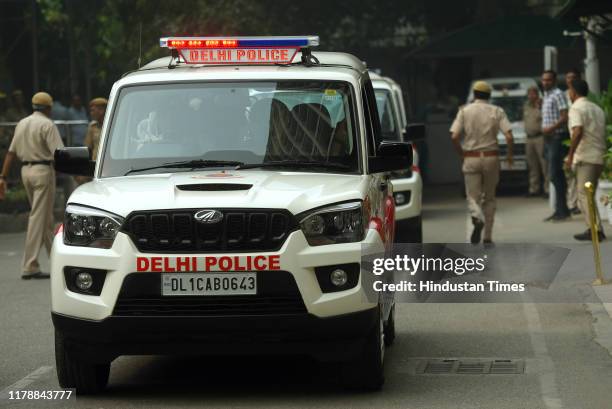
x=85, y=226
x=342, y=223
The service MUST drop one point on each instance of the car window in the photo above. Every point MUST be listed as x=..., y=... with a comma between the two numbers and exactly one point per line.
x=253, y=122
x=387, y=115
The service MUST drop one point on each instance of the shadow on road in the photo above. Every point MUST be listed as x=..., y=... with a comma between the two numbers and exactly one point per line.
x=191, y=377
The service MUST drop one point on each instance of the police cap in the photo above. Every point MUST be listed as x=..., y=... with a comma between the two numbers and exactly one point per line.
x=43, y=99
x=98, y=102
x=482, y=86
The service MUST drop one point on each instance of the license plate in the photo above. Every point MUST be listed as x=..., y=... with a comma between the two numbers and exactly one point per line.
x=517, y=165
x=209, y=284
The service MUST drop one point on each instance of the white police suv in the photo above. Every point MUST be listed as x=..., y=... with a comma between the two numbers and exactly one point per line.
x=237, y=185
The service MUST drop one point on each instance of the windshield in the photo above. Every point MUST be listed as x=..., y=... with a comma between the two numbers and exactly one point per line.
x=250, y=123
x=513, y=106
x=386, y=113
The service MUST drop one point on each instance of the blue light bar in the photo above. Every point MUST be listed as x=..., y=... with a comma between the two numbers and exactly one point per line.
x=242, y=42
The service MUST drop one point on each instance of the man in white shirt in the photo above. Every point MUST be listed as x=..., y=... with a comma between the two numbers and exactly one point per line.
x=587, y=122
x=572, y=193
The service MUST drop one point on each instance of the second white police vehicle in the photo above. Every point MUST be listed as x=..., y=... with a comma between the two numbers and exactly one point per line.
x=237, y=186
x=407, y=183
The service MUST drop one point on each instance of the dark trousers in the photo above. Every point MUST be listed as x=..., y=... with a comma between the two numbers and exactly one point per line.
x=556, y=154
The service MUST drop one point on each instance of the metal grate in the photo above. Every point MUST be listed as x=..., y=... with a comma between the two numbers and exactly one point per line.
x=507, y=366
x=471, y=366
x=159, y=306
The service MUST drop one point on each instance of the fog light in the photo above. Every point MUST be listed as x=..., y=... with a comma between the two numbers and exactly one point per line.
x=338, y=277
x=84, y=281
x=400, y=199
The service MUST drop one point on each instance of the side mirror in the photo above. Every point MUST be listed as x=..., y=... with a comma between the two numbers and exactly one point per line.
x=391, y=156
x=414, y=132
x=74, y=161
x=393, y=149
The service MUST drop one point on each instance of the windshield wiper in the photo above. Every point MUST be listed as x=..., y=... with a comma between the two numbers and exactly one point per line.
x=193, y=164
x=295, y=164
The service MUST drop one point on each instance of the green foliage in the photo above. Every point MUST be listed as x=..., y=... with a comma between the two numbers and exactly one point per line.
x=16, y=195
x=96, y=41
x=102, y=39
x=605, y=102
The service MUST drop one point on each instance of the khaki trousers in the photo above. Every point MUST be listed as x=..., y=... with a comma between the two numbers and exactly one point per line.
x=572, y=192
x=587, y=172
x=39, y=183
x=537, y=164
x=481, y=178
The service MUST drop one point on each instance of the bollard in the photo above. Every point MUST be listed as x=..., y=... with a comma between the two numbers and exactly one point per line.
x=590, y=192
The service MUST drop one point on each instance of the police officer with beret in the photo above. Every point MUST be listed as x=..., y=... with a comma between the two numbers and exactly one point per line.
x=97, y=110
x=35, y=140
x=478, y=123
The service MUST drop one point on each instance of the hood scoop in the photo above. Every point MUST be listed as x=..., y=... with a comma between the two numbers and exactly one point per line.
x=214, y=187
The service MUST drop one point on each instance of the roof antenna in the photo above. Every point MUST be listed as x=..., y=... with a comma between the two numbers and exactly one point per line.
x=139, y=44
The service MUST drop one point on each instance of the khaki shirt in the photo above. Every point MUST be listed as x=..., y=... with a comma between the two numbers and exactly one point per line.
x=532, y=119
x=92, y=138
x=592, y=119
x=36, y=138
x=480, y=122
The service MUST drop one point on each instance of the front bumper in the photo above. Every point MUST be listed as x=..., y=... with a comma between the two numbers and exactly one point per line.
x=327, y=339
x=296, y=257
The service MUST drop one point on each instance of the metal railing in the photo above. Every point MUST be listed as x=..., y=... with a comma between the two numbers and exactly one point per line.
x=65, y=183
x=65, y=127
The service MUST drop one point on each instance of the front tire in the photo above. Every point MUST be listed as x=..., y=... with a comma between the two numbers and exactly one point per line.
x=389, y=328
x=409, y=230
x=366, y=372
x=74, y=372
x=416, y=231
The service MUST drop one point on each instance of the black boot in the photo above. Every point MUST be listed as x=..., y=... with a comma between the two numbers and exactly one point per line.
x=478, y=225
x=586, y=236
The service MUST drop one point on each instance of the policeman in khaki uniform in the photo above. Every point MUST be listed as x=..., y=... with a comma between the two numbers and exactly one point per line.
x=35, y=140
x=97, y=110
x=478, y=123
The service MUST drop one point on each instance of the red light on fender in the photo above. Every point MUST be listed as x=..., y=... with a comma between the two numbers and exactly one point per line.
x=377, y=224
x=59, y=229
x=415, y=168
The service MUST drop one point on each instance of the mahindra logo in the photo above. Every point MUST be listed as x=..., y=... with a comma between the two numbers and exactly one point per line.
x=208, y=216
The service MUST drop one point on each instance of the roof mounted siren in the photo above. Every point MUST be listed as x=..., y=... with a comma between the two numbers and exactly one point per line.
x=240, y=50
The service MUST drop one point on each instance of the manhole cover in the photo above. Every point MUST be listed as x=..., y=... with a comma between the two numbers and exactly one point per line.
x=472, y=366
